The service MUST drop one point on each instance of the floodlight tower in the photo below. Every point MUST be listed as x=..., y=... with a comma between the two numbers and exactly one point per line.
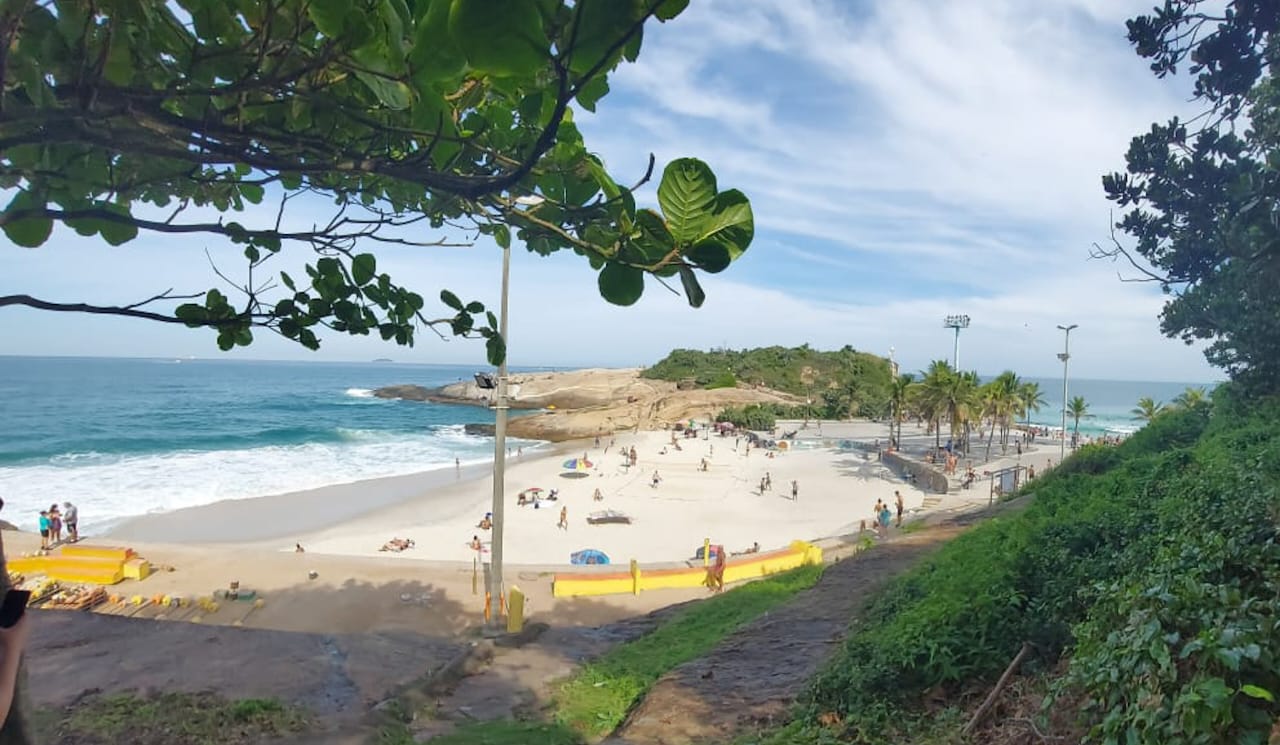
x=957, y=323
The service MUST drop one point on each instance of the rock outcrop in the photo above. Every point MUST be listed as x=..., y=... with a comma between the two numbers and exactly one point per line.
x=585, y=403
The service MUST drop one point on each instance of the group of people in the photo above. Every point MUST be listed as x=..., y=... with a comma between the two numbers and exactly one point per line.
x=882, y=515
x=52, y=522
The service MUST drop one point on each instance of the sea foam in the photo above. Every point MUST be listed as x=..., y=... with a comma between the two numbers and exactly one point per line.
x=108, y=488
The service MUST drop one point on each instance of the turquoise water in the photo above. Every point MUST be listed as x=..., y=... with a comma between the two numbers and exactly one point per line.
x=1110, y=402
x=123, y=437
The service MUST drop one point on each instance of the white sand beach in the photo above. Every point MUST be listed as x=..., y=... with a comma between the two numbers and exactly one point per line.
x=669, y=522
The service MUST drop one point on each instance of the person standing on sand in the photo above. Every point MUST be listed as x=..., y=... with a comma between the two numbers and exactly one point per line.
x=564, y=518
x=884, y=519
x=71, y=517
x=898, y=498
x=55, y=524
x=795, y=490
x=656, y=479
x=768, y=481
x=44, y=529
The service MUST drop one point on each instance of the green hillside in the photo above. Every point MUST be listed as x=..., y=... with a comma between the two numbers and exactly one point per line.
x=1145, y=577
x=841, y=383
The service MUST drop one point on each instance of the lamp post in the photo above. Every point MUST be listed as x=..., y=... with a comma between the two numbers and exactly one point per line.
x=496, y=589
x=957, y=323
x=1065, y=355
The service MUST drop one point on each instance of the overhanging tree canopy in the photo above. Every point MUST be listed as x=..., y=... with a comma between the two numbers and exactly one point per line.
x=409, y=117
x=1202, y=198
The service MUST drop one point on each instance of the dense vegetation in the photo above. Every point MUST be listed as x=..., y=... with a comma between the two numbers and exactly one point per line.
x=840, y=384
x=1198, y=197
x=1152, y=565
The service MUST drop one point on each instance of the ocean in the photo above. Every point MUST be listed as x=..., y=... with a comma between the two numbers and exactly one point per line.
x=124, y=437
x=1111, y=402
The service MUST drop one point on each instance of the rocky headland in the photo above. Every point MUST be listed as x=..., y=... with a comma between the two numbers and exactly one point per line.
x=585, y=403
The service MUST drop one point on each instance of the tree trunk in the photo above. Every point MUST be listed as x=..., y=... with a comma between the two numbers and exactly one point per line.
x=17, y=728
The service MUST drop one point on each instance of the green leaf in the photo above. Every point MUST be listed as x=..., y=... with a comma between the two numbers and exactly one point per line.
x=692, y=290
x=687, y=196
x=115, y=232
x=29, y=232
x=731, y=224
x=710, y=256
x=621, y=284
x=475, y=306
x=1253, y=691
x=668, y=9
x=391, y=93
x=435, y=55
x=363, y=268
x=502, y=236
x=329, y=16
x=288, y=281
x=595, y=89
x=253, y=192
x=450, y=299
x=598, y=28
x=500, y=37
x=495, y=350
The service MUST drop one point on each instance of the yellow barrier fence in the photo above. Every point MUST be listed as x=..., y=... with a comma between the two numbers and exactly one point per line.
x=636, y=580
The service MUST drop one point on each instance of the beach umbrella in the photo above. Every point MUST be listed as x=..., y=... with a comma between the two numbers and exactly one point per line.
x=577, y=464
x=588, y=556
x=534, y=490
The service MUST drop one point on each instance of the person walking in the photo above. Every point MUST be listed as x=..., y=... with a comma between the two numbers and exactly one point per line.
x=795, y=490
x=900, y=504
x=564, y=518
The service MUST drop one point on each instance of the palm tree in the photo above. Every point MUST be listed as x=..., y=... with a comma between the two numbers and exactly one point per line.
x=1191, y=398
x=1032, y=399
x=1077, y=409
x=1147, y=409
x=900, y=394
x=933, y=382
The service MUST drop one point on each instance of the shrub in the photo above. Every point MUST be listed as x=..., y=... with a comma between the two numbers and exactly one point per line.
x=724, y=380
x=752, y=416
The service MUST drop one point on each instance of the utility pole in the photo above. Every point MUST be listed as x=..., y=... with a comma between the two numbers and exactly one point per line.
x=957, y=323
x=1065, y=356
x=496, y=590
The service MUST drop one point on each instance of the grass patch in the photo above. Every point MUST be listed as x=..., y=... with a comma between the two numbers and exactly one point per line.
x=169, y=719
x=598, y=697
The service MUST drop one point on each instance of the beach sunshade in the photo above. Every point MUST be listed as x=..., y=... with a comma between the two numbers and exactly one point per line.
x=577, y=464
x=533, y=490
x=588, y=556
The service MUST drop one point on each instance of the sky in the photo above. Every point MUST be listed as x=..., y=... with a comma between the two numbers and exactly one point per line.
x=905, y=160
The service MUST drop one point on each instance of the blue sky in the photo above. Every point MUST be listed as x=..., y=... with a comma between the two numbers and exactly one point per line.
x=906, y=159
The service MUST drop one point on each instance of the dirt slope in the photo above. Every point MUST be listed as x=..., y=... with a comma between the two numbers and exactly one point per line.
x=752, y=678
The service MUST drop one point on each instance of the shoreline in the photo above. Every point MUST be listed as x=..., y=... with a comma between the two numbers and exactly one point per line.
x=297, y=512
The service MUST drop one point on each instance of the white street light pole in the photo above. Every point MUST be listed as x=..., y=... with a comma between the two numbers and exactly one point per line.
x=496, y=590
x=1065, y=356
